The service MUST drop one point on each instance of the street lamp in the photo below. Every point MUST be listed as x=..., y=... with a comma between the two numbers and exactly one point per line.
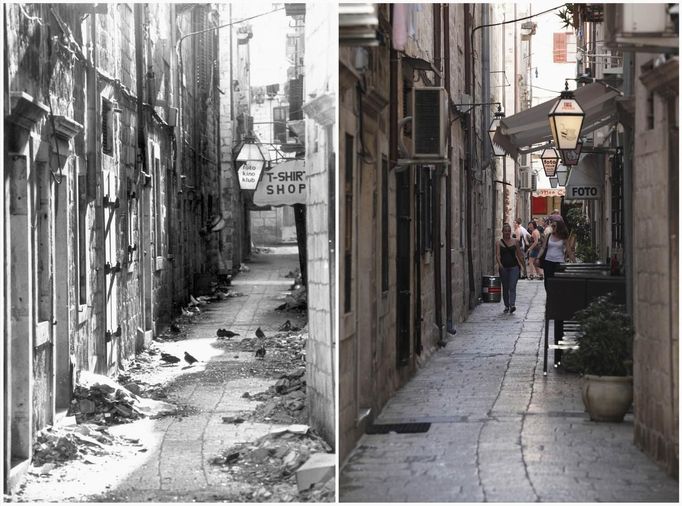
x=562, y=175
x=571, y=156
x=497, y=149
x=550, y=160
x=254, y=157
x=566, y=120
x=553, y=182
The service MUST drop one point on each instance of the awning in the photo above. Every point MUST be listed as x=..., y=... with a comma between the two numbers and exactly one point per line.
x=518, y=132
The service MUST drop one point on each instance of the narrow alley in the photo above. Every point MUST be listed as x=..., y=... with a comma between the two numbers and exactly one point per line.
x=499, y=430
x=226, y=402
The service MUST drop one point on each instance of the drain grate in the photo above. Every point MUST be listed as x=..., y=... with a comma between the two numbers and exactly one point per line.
x=399, y=428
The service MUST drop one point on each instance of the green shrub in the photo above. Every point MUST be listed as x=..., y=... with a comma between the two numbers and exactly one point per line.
x=605, y=339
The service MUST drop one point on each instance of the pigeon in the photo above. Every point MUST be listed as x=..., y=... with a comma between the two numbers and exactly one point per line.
x=259, y=333
x=190, y=359
x=285, y=326
x=169, y=359
x=260, y=352
x=226, y=333
x=174, y=328
x=281, y=307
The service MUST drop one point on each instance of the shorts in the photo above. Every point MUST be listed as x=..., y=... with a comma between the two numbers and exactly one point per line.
x=534, y=253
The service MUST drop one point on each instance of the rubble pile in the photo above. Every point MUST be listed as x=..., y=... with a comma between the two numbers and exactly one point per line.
x=101, y=400
x=270, y=463
x=291, y=343
x=285, y=401
x=57, y=445
x=297, y=300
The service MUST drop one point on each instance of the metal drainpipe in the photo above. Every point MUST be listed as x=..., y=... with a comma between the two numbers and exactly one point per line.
x=487, y=151
x=628, y=140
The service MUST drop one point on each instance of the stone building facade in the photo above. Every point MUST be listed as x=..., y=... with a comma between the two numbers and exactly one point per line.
x=655, y=237
x=113, y=179
x=319, y=110
x=414, y=233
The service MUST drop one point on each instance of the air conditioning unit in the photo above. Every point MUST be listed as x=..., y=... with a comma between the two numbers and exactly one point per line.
x=429, y=122
x=650, y=27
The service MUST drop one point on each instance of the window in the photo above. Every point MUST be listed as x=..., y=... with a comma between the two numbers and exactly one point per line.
x=107, y=127
x=348, y=223
x=564, y=47
x=158, y=208
x=384, y=224
x=279, y=127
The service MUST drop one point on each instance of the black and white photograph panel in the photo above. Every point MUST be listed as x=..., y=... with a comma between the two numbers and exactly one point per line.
x=508, y=264
x=168, y=252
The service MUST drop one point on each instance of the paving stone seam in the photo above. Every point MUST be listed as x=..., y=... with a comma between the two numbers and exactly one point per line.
x=528, y=404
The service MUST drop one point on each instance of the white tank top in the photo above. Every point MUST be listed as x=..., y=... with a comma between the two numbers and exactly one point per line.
x=555, y=250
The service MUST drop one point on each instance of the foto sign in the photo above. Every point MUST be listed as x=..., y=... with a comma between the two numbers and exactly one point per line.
x=582, y=192
x=249, y=174
x=284, y=184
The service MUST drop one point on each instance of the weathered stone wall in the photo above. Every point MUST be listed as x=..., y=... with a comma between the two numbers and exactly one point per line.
x=320, y=84
x=656, y=296
x=114, y=213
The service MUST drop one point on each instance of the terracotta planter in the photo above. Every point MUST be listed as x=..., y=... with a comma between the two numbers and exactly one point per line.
x=607, y=398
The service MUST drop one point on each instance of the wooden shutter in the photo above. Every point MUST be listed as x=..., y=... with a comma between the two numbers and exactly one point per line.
x=560, y=47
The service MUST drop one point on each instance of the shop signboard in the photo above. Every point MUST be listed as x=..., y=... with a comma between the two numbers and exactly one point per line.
x=284, y=184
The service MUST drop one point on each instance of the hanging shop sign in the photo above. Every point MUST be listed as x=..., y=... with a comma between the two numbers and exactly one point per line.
x=584, y=181
x=549, y=192
x=249, y=174
x=283, y=185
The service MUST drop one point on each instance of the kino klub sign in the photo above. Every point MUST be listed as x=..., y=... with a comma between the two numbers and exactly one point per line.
x=282, y=185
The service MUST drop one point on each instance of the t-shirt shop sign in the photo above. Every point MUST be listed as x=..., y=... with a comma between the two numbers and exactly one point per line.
x=284, y=184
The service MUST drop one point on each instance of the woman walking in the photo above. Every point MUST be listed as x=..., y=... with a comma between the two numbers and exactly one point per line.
x=509, y=262
x=533, y=251
x=557, y=250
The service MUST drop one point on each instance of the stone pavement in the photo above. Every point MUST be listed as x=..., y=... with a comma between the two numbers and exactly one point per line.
x=500, y=430
x=173, y=464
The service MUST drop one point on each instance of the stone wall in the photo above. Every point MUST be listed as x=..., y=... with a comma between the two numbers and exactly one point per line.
x=319, y=83
x=655, y=285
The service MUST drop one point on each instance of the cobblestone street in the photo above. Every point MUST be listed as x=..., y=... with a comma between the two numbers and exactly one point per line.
x=171, y=461
x=500, y=431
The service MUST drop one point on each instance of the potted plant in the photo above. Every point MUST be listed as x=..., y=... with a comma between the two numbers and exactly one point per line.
x=604, y=356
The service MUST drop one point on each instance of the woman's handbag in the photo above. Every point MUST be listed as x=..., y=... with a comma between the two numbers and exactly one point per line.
x=540, y=260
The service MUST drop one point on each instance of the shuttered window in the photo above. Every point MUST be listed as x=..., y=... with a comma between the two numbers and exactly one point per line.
x=564, y=47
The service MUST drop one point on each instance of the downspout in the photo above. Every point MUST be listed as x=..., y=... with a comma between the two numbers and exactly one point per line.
x=628, y=152
x=436, y=191
x=470, y=89
x=448, y=180
x=487, y=149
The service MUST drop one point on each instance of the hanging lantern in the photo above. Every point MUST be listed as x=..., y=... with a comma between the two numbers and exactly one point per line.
x=254, y=157
x=562, y=175
x=550, y=160
x=497, y=149
x=553, y=182
x=571, y=157
x=566, y=120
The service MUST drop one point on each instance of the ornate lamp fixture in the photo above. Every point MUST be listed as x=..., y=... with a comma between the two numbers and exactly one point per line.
x=553, y=182
x=497, y=149
x=566, y=120
x=254, y=156
x=550, y=160
x=562, y=175
x=571, y=157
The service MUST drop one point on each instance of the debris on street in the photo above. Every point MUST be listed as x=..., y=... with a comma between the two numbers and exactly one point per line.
x=270, y=463
x=55, y=445
x=102, y=400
